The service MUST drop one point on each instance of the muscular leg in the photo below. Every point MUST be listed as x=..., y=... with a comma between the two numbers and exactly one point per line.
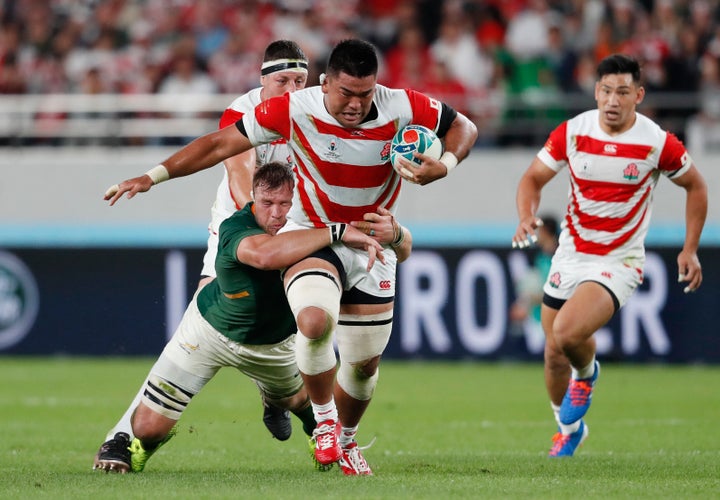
x=313, y=290
x=351, y=409
x=315, y=325
x=557, y=366
x=149, y=426
x=363, y=333
x=569, y=334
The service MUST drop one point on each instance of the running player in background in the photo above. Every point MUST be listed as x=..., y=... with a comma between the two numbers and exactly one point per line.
x=614, y=156
x=339, y=134
x=284, y=69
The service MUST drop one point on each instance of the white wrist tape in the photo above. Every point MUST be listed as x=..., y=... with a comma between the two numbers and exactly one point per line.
x=158, y=174
x=449, y=160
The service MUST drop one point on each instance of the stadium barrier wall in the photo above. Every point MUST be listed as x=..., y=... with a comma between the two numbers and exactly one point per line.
x=452, y=304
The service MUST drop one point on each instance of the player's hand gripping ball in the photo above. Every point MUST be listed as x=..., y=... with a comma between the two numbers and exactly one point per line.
x=411, y=139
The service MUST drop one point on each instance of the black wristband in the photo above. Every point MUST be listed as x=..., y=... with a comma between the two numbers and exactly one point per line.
x=336, y=232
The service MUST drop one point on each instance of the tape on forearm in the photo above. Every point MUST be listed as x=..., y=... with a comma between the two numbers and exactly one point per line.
x=158, y=174
x=449, y=160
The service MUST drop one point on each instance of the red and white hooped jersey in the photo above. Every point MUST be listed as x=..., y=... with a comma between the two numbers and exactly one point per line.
x=264, y=153
x=612, y=180
x=341, y=173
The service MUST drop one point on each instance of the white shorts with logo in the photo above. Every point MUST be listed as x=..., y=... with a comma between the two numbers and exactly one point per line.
x=566, y=273
x=197, y=351
x=378, y=282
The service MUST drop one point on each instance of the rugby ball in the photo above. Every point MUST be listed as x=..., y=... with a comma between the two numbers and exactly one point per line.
x=411, y=139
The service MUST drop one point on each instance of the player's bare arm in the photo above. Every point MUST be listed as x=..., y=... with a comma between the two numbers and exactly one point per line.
x=240, y=169
x=458, y=142
x=267, y=252
x=689, y=269
x=202, y=153
x=528, y=200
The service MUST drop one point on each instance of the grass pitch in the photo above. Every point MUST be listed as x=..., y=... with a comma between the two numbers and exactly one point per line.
x=443, y=430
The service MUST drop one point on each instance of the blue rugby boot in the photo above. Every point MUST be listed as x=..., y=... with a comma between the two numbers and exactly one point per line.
x=578, y=397
x=564, y=445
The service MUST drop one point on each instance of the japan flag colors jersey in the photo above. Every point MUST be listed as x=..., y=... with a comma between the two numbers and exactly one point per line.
x=612, y=180
x=341, y=173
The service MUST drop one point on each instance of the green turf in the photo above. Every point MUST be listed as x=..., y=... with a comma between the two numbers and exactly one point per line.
x=443, y=430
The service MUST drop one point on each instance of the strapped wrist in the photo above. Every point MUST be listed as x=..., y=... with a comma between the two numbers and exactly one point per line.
x=399, y=237
x=449, y=160
x=158, y=174
x=336, y=232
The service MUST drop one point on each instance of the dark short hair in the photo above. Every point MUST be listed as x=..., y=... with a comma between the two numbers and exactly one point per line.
x=551, y=224
x=353, y=57
x=273, y=175
x=283, y=49
x=619, y=64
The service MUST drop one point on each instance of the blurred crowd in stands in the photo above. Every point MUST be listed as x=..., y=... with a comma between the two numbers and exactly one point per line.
x=498, y=61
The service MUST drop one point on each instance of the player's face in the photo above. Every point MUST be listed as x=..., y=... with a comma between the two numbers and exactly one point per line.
x=349, y=98
x=272, y=206
x=617, y=96
x=278, y=83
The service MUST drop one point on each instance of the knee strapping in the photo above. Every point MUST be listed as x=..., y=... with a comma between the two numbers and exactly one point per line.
x=362, y=337
x=165, y=398
x=314, y=288
x=314, y=356
x=354, y=382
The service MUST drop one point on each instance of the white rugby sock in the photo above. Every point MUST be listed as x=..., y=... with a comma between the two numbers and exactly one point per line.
x=327, y=411
x=585, y=372
x=570, y=428
x=556, y=411
x=347, y=435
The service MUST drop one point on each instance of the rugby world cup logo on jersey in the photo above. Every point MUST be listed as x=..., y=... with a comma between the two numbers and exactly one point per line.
x=631, y=172
x=333, y=150
x=19, y=300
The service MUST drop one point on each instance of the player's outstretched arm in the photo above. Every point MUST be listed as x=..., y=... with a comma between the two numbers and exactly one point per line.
x=204, y=152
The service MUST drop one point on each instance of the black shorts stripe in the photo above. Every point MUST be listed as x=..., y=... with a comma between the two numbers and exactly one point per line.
x=374, y=322
x=555, y=303
x=313, y=272
x=355, y=296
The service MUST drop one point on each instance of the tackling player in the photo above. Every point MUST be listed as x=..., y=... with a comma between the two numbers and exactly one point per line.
x=240, y=319
x=339, y=134
x=284, y=69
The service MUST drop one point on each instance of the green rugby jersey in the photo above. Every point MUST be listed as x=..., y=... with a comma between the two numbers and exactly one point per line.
x=243, y=303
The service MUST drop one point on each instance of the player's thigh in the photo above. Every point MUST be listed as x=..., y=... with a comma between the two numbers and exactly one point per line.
x=273, y=368
x=588, y=309
x=193, y=355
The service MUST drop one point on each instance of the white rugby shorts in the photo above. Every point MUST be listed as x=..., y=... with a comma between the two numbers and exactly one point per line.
x=197, y=351
x=621, y=278
x=378, y=282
